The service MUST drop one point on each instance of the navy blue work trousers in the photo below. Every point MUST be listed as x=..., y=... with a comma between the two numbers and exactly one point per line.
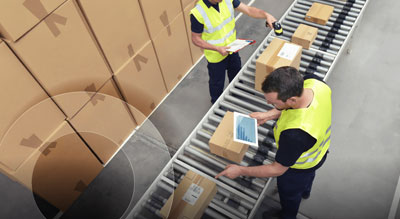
x=292, y=185
x=217, y=71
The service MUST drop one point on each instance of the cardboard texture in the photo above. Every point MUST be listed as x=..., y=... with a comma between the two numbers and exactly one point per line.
x=304, y=35
x=272, y=59
x=319, y=13
x=60, y=169
x=118, y=26
x=65, y=60
x=104, y=122
x=18, y=89
x=195, y=51
x=28, y=132
x=179, y=206
x=222, y=144
x=141, y=82
x=19, y=16
x=159, y=13
x=186, y=3
x=173, y=52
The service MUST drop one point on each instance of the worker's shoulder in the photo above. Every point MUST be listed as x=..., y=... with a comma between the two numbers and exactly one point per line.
x=313, y=76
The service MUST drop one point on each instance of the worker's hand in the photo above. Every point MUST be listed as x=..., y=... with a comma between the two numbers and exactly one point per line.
x=222, y=50
x=270, y=19
x=260, y=116
x=231, y=171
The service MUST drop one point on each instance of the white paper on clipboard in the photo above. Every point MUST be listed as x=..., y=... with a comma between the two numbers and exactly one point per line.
x=238, y=44
x=245, y=129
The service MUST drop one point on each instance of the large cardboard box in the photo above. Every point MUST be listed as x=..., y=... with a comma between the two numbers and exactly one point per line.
x=66, y=60
x=195, y=51
x=27, y=132
x=319, y=13
x=222, y=144
x=159, y=13
x=105, y=122
x=18, y=89
x=173, y=52
x=278, y=53
x=19, y=16
x=193, y=194
x=59, y=169
x=118, y=26
x=304, y=35
x=141, y=82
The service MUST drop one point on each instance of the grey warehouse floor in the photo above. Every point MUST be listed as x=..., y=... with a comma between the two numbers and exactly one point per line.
x=358, y=180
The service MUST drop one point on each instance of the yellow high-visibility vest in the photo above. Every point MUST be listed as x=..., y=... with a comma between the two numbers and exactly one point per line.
x=219, y=27
x=315, y=120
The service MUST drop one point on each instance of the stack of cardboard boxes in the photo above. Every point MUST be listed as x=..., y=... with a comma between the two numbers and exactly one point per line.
x=77, y=77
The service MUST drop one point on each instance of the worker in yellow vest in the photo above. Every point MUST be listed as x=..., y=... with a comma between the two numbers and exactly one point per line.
x=213, y=28
x=302, y=134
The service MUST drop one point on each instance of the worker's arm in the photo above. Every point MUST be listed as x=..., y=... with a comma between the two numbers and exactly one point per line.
x=263, y=117
x=271, y=170
x=256, y=13
x=198, y=41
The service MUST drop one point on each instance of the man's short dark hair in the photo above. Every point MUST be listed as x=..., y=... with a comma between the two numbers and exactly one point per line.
x=286, y=81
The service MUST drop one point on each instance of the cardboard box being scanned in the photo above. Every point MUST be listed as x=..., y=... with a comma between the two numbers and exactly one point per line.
x=222, y=144
x=106, y=121
x=159, y=14
x=304, y=35
x=118, y=26
x=19, y=16
x=319, y=13
x=141, y=81
x=278, y=53
x=59, y=169
x=18, y=89
x=63, y=57
x=191, y=197
x=173, y=53
x=196, y=51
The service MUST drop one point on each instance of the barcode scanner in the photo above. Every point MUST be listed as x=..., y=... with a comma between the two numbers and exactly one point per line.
x=277, y=28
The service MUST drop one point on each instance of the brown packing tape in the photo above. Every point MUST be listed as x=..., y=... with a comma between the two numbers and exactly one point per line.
x=274, y=59
x=91, y=88
x=32, y=142
x=165, y=21
x=139, y=58
x=39, y=11
x=46, y=150
x=152, y=106
x=131, y=52
x=97, y=97
x=80, y=186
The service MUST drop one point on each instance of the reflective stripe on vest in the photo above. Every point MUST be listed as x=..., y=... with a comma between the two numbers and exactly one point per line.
x=315, y=120
x=219, y=27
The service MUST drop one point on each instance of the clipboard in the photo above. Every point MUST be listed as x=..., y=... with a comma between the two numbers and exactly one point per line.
x=239, y=44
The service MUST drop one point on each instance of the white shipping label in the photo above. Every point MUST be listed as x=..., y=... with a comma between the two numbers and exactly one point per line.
x=192, y=194
x=288, y=51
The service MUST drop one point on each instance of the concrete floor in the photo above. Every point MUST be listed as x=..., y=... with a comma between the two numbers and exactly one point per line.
x=357, y=181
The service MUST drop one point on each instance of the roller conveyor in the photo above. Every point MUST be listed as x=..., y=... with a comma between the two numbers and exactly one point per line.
x=241, y=197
